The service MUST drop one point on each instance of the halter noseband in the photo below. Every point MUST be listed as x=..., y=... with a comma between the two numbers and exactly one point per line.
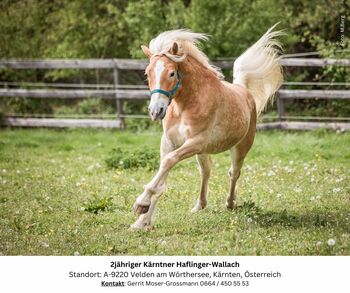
x=170, y=93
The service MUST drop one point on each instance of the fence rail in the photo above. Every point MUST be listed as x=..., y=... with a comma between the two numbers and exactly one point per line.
x=76, y=94
x=119, y=94
x=133, y=64
x=142, y=94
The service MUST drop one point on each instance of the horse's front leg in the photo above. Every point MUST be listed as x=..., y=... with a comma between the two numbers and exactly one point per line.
x=145, y=204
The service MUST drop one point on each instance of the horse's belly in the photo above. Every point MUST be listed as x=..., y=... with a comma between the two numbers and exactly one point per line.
x=220, y=145
x=222, y=139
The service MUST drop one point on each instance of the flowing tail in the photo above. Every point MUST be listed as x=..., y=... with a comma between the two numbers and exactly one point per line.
x=258, y=68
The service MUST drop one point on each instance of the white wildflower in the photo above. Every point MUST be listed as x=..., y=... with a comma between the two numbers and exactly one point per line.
x=76, y=253
x=318, y=243
x=331, y=242
x=271, y=173
x=44, y=244
x=298, y=189
x=288, y=170
x=336, y=190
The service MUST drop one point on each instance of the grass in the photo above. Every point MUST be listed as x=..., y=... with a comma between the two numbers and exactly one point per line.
x=58, y=197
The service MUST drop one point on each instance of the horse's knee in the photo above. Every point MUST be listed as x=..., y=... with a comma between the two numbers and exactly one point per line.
x=204, y=166
x=230, y=173
x=155, y=190
x=234, y=173
x=205, y=172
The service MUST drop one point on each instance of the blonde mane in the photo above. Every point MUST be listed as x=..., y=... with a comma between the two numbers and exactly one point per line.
x=187, y=43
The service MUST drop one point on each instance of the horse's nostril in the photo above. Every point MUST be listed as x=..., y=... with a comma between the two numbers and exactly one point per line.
x=161, y=110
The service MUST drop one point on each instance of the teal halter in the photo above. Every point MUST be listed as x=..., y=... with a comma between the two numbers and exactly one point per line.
x=169, y=93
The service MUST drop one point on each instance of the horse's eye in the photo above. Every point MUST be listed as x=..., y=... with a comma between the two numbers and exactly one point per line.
x=172, y=74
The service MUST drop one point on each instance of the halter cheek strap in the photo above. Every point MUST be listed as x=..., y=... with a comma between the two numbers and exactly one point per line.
x=170, y=93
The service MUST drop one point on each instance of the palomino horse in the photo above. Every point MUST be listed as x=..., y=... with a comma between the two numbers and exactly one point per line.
x=203, y=114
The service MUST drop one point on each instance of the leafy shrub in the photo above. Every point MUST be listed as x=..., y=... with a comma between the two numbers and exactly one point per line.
x=91, y=106
x=96, y=204
x=28, y=105
x=94, y=106
x=126, y=159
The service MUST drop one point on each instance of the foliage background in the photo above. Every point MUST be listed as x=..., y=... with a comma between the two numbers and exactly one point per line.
x=117, y=28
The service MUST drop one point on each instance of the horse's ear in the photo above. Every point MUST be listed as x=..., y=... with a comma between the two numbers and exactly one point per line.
x=174, y=49
x=146, y=51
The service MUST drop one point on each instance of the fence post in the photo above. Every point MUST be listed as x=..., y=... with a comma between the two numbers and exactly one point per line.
x=119, y=102
x=280, y=108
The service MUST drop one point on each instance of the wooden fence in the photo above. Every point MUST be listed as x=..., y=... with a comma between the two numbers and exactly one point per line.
x=121, y=93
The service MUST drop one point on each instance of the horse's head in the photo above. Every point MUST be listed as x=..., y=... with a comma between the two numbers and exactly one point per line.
x=163, y=80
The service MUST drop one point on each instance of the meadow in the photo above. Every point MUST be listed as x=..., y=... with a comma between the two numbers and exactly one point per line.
x=64, y=192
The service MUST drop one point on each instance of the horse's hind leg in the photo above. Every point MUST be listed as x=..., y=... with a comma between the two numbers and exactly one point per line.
x=238, y=154
x=234, y=173
x=204, y=162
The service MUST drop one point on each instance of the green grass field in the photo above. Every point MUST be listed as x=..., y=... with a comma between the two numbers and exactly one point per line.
x=57, y=197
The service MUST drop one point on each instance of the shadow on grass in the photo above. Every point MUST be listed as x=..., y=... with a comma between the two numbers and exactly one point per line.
x=285, y=218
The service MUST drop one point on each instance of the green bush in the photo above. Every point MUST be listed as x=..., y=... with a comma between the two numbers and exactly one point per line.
x=126, y=159
x=87, y=107
x=98, y=204
x=94, y=106
x=28, y=105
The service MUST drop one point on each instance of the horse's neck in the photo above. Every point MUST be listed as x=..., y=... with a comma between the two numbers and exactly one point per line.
x=194, y=78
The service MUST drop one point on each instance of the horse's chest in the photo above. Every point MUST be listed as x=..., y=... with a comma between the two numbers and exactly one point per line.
x=178, y=134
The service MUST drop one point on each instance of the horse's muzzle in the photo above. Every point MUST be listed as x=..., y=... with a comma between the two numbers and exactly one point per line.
x=157, y=111
x=158, y=115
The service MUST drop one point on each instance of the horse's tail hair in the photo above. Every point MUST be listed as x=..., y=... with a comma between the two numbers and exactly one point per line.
x=258, y=68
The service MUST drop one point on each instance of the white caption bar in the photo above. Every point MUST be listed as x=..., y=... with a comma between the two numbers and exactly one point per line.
x=155, y=274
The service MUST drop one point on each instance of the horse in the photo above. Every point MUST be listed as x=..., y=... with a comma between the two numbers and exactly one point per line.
x=201, y=113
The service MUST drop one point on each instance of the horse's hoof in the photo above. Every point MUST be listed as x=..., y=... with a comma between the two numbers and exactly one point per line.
x=197, y=209
x=137, y=227
x=231, y=205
